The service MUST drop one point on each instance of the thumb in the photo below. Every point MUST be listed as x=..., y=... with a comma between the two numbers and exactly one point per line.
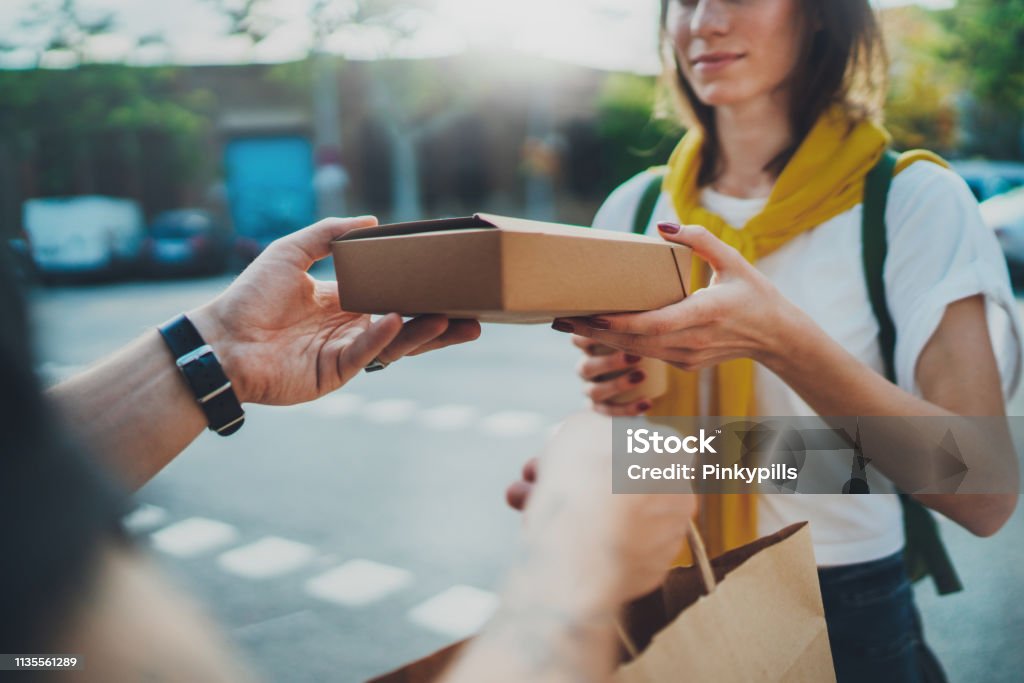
x=719, y=255
x=308, y=245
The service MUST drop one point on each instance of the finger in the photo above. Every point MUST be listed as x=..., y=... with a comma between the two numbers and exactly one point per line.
x=589, y=347
x=701, y=308
x=592, y=367
x=307, y=246
x=633, y=344
x=414, y=334
x=517, y=495
x=458, y=332
x=719, y=255
x=629, y=410
x=601, y=392
x=530, y=471
x=367, y=346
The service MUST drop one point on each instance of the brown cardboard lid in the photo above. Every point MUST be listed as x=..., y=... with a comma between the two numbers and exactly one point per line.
x=485, y=221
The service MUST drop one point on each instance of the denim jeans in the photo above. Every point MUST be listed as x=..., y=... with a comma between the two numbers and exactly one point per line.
x=873, y=624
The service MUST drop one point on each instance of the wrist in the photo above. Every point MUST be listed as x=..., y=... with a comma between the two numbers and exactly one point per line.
x=787, y=338
x=209, y=322
x=569, y=579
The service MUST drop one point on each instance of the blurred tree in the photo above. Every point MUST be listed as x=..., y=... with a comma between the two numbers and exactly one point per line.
x=104, y=128
x=51, y=26
x=987, y=40
x=399, y=101
x=59, y=121
x=921, y=105
x=635, y=134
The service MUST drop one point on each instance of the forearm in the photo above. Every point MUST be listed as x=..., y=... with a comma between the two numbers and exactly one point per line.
x=831, y=380
x=835, y=383
x=545, y=632
x=134, y=410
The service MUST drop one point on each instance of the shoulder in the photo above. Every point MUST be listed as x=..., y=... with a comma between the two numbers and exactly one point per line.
x=618, y=210
x=927, y=196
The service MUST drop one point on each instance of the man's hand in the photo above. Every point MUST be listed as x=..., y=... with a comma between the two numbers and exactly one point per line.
x=281, y=334
x=593, y=542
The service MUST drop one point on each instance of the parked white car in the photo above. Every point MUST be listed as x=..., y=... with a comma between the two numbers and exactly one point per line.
x=80, y=235
x=988, y=179
x=1004, y=213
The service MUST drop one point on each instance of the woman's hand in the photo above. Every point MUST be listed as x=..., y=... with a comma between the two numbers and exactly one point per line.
x=614, y=380
x=281, y=334
x=739, y=315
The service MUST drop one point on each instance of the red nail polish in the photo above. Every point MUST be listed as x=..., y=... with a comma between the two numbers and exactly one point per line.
x=643, y=406
x=563, y=326
x=636, y=377
x=631, y=359
x=668, y=228
x=599, y=323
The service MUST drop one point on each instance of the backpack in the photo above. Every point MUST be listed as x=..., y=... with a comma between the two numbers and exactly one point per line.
x=924, y=553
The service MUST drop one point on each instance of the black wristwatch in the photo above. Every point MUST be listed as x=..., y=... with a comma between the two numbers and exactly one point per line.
x=204, y=375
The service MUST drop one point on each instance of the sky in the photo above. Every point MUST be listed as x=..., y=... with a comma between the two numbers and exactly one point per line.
x=606, y=34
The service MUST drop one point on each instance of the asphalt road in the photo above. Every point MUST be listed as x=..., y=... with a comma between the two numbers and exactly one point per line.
x=337, y=540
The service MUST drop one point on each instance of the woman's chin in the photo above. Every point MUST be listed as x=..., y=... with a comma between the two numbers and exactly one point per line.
x=719, y=96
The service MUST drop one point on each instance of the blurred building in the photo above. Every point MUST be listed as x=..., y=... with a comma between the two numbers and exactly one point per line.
x=438, y=137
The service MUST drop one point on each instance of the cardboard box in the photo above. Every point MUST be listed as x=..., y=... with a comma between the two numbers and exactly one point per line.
x=500, y=269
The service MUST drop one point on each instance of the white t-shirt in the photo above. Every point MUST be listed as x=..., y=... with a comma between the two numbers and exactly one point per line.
x=940, y=251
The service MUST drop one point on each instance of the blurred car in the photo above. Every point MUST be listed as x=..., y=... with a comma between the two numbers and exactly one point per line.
x=185, y=242
x=19, y=255
x=1004, y=213
x=988, y=179
x=88, y=235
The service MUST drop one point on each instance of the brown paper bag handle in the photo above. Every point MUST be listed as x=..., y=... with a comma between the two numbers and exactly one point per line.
x=708, y=577
x=627, y=641
x=700, y=554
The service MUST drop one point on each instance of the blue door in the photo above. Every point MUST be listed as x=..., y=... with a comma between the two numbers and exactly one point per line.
x=270, y=185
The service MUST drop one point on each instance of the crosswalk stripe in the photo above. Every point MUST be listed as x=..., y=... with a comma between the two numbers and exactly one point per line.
x=266, y=558
x=193, y=536
x=457, y=612
x=510, y=423
x=358, y=582
x=448, y=417
x=389, y=411
x=337, y=405
x=145, y=518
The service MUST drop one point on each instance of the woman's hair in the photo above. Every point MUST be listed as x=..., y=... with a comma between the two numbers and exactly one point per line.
x=842, y=61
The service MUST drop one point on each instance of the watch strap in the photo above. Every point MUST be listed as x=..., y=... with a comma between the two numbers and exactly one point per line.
x=204, y=375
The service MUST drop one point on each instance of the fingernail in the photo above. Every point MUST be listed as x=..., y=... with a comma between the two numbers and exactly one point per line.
x=636, y=377
x=668, y=228
x=599, y=323
x=563, y=326
x=631, y=359
x=643, y=406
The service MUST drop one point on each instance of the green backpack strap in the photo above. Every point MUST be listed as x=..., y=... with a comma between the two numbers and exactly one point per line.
x=648, y=202
x=924, y=552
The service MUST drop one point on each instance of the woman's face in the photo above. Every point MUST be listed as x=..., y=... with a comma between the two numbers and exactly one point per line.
x=735, y=51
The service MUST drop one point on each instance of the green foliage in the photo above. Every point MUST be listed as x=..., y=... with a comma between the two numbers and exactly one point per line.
x=633, y=138
x=989, y=40
x=86, y=110
x=921, y=108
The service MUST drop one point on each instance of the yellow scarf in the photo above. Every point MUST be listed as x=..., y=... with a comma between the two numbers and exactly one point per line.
x=824, y=178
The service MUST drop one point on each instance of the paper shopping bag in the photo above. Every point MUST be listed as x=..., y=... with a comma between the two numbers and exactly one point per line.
x=752, y=614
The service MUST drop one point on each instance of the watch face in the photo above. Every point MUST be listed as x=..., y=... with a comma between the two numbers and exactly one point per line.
x=204, y=375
